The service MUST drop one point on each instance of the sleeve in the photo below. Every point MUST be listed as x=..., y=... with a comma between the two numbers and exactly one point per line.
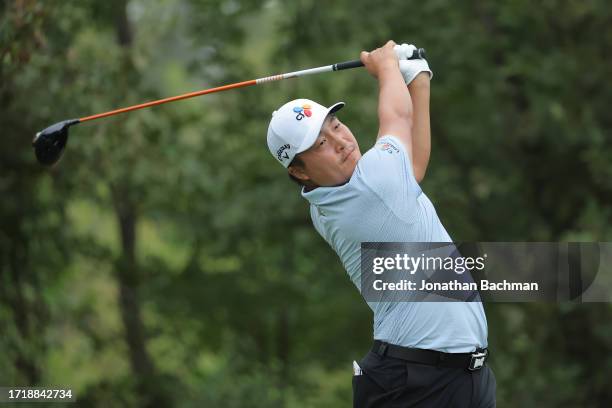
x=387, y=170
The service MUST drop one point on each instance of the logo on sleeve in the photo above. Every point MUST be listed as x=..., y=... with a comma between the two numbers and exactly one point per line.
x=388, y=147
x=303, y=111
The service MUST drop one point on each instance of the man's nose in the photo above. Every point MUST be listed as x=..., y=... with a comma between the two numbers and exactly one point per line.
x=339, y=143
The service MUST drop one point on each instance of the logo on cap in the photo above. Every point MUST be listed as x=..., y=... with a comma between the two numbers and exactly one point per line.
x=302, y=111
x=279, y=153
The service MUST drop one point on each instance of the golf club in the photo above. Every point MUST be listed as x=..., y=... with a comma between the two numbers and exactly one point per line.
x=49, y=143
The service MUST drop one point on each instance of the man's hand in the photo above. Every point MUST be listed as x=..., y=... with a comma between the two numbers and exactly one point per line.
x=404, y=51
x=410, y=68
x=380, y=60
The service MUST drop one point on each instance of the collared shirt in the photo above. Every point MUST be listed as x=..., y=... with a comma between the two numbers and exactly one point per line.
x=382, y=202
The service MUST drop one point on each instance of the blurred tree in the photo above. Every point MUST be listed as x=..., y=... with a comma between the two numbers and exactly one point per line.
x=168, y=260
x=33, y=244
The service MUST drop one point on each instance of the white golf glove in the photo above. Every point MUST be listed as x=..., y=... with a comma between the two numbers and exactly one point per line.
x=410, y=68
x=404, y=51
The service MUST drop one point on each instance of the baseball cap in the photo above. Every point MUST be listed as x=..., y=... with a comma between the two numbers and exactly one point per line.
x=295, y=126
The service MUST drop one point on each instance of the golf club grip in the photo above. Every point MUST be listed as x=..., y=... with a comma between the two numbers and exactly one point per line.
x=418, y=54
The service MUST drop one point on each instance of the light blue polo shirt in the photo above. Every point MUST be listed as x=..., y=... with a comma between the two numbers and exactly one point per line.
x=382, y=202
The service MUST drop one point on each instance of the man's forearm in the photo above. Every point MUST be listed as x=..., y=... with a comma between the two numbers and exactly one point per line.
x=395, y=108
x=421, y=129
x=393, y=100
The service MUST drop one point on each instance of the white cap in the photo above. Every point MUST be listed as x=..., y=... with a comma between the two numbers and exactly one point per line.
x=295, y=126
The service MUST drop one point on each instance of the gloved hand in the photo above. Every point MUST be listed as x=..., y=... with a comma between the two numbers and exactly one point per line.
x=404, y=51
x=410, y=68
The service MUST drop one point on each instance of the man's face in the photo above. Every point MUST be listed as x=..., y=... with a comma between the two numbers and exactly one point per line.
x=333, y=157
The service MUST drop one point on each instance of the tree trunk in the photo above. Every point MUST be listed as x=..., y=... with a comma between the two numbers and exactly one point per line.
x=147, y=380
x=128, y=280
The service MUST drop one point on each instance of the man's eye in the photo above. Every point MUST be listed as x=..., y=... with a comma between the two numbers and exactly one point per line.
x=322, y=141
x=337, y=126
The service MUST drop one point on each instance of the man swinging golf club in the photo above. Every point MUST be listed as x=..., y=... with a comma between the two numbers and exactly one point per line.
x=425, y=354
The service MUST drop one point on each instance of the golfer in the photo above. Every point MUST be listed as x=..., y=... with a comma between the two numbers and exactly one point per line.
x=425, y=354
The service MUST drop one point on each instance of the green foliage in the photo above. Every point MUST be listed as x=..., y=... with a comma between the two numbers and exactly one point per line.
x=237, y=300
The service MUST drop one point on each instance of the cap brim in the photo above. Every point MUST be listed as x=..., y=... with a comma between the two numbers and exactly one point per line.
x=316, y=128
x=335, y=107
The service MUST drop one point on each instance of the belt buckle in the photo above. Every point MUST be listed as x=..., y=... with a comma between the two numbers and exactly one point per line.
x=477, y=360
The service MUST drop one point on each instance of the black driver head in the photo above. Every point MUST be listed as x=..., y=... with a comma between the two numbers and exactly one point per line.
x=49, y=143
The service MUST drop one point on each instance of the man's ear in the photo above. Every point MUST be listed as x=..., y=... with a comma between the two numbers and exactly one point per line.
x=298, y=172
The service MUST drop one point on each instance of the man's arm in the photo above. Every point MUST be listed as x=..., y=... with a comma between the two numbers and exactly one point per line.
x=421, y=129
x=394, y=102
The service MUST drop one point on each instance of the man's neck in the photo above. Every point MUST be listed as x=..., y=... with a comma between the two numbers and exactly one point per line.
x=309, y=187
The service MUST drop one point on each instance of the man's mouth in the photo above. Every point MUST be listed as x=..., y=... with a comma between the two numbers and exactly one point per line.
x=349, y=151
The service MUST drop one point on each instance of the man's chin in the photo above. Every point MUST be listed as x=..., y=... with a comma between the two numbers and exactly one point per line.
x=352, y=161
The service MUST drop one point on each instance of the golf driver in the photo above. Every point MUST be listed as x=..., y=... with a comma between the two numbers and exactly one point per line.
x=49, y=143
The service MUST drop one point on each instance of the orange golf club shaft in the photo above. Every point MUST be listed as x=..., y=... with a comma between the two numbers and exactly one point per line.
x=170, y=99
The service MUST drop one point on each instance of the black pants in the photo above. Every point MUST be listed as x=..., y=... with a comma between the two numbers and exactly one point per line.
x=389, y=383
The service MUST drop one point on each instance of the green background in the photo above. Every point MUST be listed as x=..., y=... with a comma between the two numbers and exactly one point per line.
x=169, y=261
